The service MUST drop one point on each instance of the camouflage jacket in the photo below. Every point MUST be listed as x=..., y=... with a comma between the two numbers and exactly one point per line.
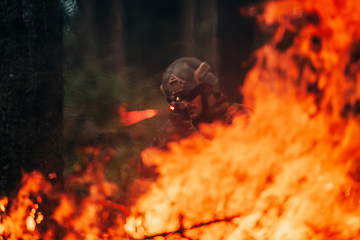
x=218, y=110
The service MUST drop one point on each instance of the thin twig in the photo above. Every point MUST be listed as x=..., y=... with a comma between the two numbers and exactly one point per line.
x=181, y=230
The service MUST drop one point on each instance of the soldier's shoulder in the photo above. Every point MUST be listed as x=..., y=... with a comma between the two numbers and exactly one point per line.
x=239, y=109
x=170, y=132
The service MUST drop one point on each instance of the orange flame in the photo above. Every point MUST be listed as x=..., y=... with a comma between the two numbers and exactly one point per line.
x=75, y=217
x=292, y=174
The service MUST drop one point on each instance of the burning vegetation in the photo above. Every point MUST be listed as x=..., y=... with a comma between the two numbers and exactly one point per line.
x=292, y=173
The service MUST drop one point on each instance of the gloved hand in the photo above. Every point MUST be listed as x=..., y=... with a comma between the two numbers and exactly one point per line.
x=173, y=132
x=180, y=130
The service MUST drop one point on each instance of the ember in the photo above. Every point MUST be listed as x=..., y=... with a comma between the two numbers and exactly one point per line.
x=293, y=173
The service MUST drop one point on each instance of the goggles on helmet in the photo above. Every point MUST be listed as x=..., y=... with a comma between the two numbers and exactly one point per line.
x=190, y=95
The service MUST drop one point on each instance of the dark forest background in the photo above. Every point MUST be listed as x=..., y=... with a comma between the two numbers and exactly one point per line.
x=106, y=55
x=116, y=51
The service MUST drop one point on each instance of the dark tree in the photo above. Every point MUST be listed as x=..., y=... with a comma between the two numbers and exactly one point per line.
x=239, y=36
x=31, y=89
x=188, y=27
x=153, y=30
x=103, y=26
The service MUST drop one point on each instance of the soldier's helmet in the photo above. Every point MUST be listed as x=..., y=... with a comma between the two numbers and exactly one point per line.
x=184, y=77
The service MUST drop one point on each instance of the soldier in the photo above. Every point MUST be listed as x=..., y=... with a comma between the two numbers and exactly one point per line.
x=187, y=85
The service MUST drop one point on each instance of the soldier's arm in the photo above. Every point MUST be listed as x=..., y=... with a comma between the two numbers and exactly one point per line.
x=173, y=132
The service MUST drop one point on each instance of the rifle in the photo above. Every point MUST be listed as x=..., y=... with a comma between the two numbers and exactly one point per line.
x=179, y=112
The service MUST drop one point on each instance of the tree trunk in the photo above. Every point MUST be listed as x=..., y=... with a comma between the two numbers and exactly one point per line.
x=117, y=40
x=31, y=90
x=209, y=23
x=188, y=27
x=108, y=21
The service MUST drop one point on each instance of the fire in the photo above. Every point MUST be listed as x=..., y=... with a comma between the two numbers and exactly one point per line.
x=41, y=211
x=30, y=223
x=273, y=183
x=20, y=222
x=292, y=173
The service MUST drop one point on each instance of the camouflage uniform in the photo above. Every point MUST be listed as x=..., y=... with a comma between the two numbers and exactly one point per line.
x=185, y=79
x=221, y=111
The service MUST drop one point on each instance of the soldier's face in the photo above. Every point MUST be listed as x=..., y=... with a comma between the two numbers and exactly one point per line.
x=194, y=106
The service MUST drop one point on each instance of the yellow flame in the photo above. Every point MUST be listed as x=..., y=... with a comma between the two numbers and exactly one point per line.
x=30, y=223
x=39, y=218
